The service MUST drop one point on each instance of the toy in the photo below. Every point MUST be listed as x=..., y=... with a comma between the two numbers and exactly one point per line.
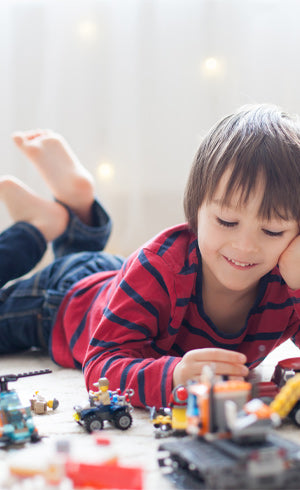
x=284, y=370
x=116, y=409
x=283, y=392
x=39, y=405
x=16, y=422
x=231, y=445
x=103, y=394
x=287, y=402
x=171, y=420
x=68, y=466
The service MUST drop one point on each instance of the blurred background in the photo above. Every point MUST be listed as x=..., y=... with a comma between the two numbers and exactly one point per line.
x=134, y=84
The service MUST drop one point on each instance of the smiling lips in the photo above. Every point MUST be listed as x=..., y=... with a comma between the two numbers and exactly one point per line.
x=239, y=265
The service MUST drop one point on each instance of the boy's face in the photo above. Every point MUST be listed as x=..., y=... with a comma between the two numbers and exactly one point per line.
x=236, y=246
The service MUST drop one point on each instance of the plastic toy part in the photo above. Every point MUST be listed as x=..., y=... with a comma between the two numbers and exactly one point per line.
x=73, y=464
x=117, y=411
x=283, y=391
x=16, y=422
x=39, y=405
x=171, y=420
x=232, y=445
x=104, y=476
x=223, y=464
x=287, y=403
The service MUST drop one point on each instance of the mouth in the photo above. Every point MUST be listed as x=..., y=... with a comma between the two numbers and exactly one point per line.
x=240, y=265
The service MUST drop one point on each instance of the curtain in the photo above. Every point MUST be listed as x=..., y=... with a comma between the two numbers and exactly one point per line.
x=134, y=84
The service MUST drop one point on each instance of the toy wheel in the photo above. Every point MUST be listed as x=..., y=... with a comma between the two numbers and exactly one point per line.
x=123, y=420
x=93, y=423
x=295, y=415
x=35, y=437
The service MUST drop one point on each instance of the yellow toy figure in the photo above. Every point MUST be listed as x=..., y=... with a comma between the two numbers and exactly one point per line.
x=178, y=405
x=102, y=395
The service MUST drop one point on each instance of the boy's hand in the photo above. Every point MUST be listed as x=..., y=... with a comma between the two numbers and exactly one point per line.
x=224, y=361
x=289, y=264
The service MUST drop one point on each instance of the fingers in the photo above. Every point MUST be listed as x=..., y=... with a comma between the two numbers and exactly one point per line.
x=222, y=361
x=220, y=368
x=216, y=355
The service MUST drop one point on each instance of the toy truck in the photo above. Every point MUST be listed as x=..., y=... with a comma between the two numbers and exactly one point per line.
x=284, y=370
x=231, y=444
x=16, y=422
x=95, y=413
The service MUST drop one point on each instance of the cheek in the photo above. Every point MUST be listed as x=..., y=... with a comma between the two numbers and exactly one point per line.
x=208, y=240
x=273, y=251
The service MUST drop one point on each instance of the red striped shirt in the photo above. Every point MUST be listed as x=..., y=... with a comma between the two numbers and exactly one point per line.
x=134, y=325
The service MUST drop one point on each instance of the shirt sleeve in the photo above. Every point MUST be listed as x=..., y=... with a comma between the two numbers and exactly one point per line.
x=130, y=340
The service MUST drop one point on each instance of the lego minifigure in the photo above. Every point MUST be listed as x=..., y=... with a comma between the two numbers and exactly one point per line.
x=103, y=394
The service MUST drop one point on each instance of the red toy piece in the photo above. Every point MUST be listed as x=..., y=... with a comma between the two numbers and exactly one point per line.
x=104, y=476
x=284, y=370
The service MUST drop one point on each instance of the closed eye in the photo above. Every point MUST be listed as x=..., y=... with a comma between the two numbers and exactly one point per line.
x=273, y=233
x=226, y=223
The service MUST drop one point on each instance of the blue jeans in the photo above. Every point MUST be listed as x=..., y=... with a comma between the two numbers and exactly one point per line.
x=28, y=307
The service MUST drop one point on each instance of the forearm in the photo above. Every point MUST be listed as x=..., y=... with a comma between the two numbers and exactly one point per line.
x=150, y=378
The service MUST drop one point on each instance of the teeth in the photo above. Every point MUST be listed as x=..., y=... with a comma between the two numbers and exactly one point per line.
x=239, y=263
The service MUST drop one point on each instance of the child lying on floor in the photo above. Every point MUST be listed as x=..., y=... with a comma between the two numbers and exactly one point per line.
x=223, y=288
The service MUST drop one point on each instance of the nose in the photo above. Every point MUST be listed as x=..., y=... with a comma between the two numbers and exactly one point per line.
x=245, y=241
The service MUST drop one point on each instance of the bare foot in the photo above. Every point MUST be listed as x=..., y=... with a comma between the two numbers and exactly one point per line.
x=50, y=217
x=69, y=181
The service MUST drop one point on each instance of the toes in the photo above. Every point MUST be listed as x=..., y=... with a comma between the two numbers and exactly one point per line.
x=18, y=138
x=22, y=137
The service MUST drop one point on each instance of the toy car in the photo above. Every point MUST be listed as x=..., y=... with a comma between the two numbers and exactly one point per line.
x=92, y=418
x=117, y=412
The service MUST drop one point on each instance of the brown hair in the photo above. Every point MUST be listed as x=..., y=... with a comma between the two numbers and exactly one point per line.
x=256, y=141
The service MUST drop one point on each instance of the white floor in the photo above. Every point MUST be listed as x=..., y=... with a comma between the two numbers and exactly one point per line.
x=136, y=446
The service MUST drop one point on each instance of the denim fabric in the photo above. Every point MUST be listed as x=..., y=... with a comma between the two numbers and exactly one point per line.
x=28, y=307
x=21, y=248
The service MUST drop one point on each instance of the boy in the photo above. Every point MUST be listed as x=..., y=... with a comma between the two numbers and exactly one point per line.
x=223, y=288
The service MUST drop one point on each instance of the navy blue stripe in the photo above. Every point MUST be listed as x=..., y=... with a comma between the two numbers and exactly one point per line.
x=201, y=333
x=108, y=363
x=163, y=383
x=188, y=269
x=77, y=365
x=139, y=299
x=157, y=349
x=125, y=323
x=182, y=301
x=102, y=343
x=154, y=272
x=168, y=243
x=78, y=330
x=176, y=348
x=172, y=330
x=263, y=336
x=96, y=356
x=81, y=326
x=275, y=278
x=123, y=380
x=274, y=306
x=80, y=292
x=256, y=362
x=141, y=383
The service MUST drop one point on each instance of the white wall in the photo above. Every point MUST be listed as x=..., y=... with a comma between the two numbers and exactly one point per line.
x=126, y=82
